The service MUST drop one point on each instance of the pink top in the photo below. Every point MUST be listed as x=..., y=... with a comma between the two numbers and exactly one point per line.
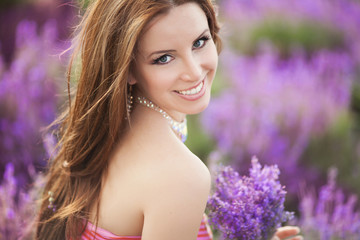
x=102, y=234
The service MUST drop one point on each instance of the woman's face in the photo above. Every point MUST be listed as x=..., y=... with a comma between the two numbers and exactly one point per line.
x=176, y=61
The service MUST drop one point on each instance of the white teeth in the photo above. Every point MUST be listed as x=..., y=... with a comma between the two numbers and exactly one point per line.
x=199, y=88
x=193, y=90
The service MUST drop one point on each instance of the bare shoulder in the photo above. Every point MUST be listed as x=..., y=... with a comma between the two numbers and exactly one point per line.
x=163, y=158
x=174, y=163
x=175, y=166
x=161, y=179
x=175, y=194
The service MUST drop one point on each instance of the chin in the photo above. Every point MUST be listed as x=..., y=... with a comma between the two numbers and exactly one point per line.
x=200, y=106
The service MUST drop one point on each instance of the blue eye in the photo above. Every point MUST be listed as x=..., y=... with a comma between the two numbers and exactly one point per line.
x=164, y=59
x=200, y=42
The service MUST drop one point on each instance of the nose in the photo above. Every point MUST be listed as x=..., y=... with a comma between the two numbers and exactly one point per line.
x=192, y=70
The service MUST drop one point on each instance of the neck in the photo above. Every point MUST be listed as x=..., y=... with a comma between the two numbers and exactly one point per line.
x=179, y=128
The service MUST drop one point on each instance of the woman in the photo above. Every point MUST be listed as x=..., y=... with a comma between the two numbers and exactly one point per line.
x=122, y=170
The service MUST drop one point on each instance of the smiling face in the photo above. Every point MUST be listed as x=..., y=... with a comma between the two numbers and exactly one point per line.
x=176, y=61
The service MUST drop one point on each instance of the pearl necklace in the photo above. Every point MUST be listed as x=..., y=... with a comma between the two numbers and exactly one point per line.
x=180, y=128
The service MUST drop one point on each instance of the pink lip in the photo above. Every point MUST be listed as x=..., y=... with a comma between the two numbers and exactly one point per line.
x=195, y=96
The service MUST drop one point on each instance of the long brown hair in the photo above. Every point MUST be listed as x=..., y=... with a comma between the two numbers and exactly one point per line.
x=96, y=119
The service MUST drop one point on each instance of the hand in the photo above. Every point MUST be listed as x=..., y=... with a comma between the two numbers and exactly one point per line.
x=287, y=233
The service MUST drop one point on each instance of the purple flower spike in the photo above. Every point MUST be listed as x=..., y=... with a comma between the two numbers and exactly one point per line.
x=28, y=98
x=329, y=216
x=248, y=208
x=274, y=107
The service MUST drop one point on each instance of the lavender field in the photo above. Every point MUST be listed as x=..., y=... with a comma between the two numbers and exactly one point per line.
x=287, y=91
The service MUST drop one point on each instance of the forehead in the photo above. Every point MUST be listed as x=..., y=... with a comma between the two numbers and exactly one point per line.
x=181, y=24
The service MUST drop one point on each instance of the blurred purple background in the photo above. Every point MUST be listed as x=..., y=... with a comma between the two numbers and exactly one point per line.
x=287, y=91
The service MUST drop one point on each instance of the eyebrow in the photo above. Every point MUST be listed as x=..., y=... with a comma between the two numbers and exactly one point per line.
x=172, y=50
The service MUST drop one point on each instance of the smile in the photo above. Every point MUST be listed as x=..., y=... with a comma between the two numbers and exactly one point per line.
x=192, y=91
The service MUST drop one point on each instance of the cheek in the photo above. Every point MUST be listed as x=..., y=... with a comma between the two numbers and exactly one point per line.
x=158, y=78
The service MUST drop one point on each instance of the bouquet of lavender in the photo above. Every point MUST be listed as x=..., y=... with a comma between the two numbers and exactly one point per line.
x=248, y=208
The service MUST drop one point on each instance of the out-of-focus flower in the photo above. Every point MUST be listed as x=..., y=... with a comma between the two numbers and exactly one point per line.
x=274, y=106
x=248, y=208
x=338, y=16
x=17, y=207
x=28, y=98
x=329, y=216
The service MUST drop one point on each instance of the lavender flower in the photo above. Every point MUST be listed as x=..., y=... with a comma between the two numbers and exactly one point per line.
x=17, y=207
x=329, y=216
x=28, y=98
x=243, y=16
x=248, y=208
x=275, y=106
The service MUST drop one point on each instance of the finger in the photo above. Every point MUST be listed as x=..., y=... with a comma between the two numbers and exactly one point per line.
x=293, y=238
x=287, y=231
x=296, y=238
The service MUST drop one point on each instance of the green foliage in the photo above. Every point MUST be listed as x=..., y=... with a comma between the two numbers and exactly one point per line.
x=9, y=3
x=84, y=3
x=198, y=141
x=355, y=100
x=338, y=148
x=285, y=35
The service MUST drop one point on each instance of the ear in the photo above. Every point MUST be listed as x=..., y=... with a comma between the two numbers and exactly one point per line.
x=131, y=79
